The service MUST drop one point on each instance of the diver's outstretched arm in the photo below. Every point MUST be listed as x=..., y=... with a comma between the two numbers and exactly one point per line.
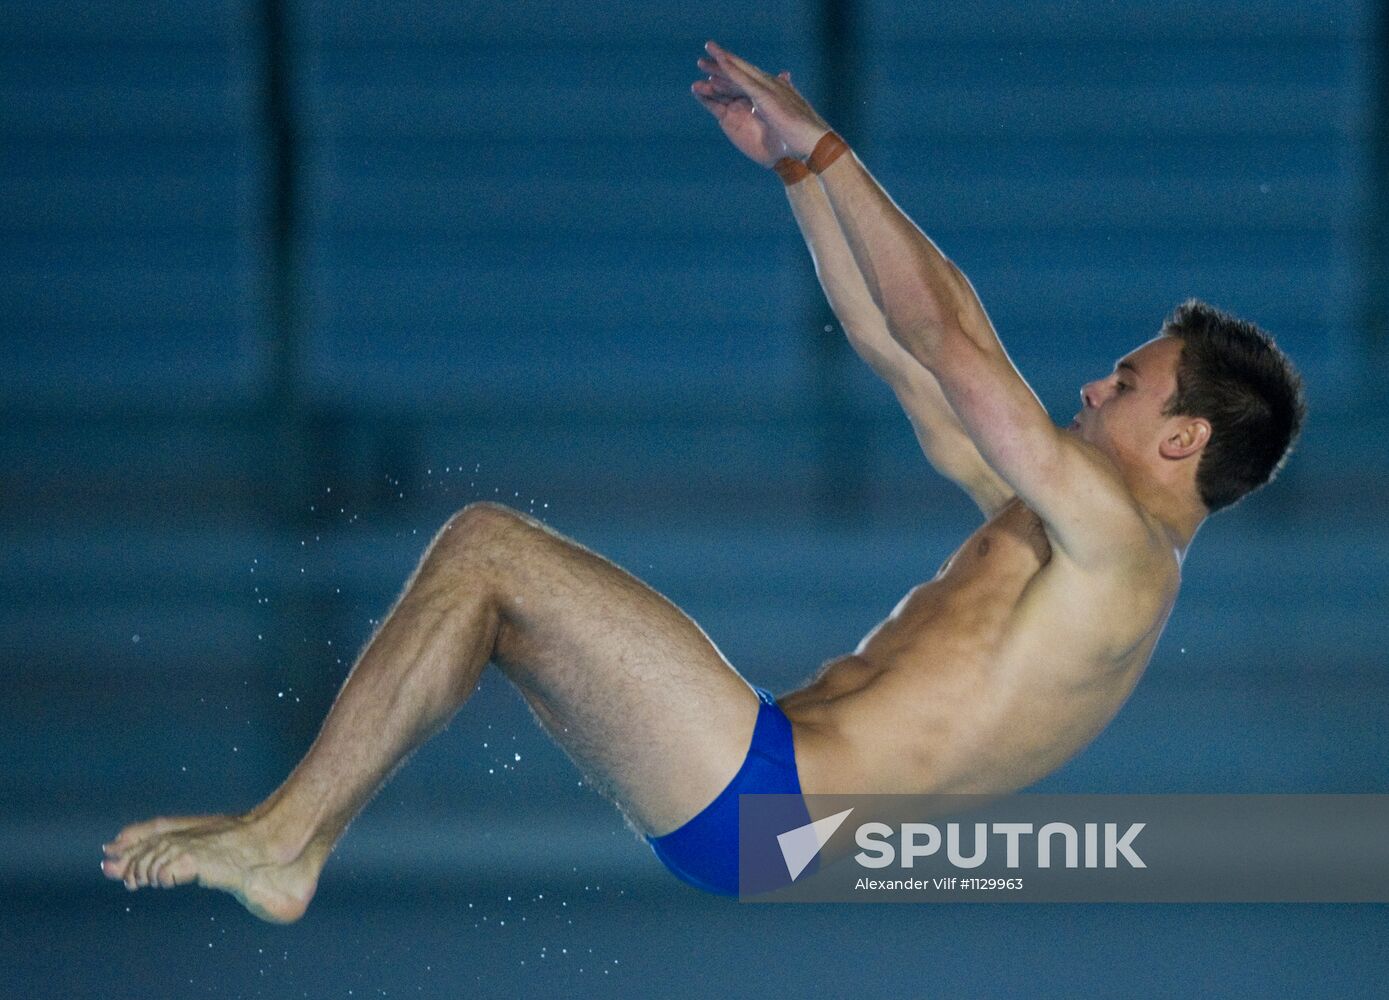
x=943, y=439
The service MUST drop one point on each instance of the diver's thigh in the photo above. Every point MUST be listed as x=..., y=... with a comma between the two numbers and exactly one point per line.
x=624, y=680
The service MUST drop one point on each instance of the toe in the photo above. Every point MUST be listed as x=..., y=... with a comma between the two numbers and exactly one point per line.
x=117, y=866
x=152, y=869
x=134, y=833
x=131, y=875
x=130, y=836
x=159, y=868
x=180, y=870
x=140, y=866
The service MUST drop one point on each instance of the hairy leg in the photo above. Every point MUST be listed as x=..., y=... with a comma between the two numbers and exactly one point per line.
x=627, y=684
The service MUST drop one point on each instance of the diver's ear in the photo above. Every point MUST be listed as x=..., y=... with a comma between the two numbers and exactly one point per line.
x=1186, y=439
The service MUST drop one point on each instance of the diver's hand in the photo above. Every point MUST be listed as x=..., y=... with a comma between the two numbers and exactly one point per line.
x=745, y=128
x=774, y=112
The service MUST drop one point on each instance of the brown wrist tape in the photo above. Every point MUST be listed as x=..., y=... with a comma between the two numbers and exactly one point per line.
x=830, y=148
x=790, y=170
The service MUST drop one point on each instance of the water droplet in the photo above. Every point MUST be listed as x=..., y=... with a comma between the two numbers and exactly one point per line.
x=135, y=637
x=518, y=757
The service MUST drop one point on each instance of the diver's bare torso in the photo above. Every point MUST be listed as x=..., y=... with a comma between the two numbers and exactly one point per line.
x=990, y=675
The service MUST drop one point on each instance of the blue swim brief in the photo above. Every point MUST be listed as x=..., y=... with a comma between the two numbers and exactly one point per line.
x=704, y=852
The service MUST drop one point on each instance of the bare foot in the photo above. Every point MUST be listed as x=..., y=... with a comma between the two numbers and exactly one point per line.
x=227, y=852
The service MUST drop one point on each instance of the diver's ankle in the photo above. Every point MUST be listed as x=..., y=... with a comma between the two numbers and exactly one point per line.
x=283, y=836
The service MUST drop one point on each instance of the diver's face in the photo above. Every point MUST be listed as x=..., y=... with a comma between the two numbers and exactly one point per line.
x=1121, y=414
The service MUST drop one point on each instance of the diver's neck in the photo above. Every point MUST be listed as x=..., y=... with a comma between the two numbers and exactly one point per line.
x=1174, y=507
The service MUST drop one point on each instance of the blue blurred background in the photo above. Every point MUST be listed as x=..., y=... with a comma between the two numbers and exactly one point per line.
x=285, y=282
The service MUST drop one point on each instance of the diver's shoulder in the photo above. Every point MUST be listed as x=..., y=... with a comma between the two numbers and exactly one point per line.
x=1143, y=557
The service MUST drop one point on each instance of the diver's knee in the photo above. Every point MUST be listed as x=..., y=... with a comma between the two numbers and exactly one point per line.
x=482, y=527
x=482, y=517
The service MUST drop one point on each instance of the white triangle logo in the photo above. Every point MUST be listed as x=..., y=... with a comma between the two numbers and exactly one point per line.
x=799, y=846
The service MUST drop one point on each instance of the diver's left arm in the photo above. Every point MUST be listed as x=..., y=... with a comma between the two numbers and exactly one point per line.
x=933, y=312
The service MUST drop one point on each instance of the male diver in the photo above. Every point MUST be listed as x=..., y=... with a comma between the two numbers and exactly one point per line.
x=992, y=674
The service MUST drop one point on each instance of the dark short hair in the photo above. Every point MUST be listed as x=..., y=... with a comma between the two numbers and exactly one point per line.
x=1235, y=376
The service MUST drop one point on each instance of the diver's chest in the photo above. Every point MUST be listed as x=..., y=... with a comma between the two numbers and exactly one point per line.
x=1013, y=543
